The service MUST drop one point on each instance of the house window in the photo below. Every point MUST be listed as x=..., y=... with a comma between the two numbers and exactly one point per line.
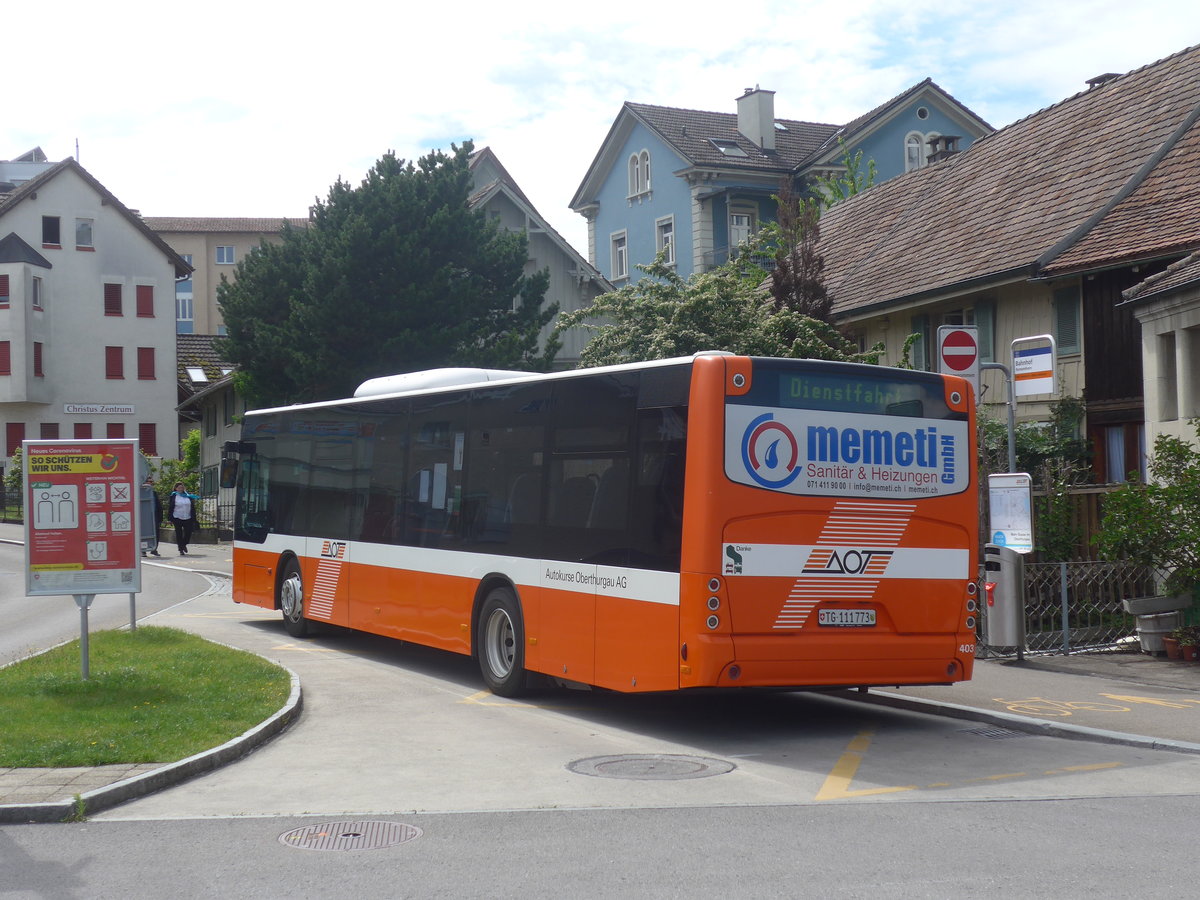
x=210, y=421
x=741, y=226
x=145, y=301
x=665, y=239
x=51, y=232
x=48, y=431
x=184, y=315
x=114, y=362
x=5, y=358
x=620, y=256
x=114, y=430
x=1066, y=319
x=3, y=291
x=639, y=173
x=148, y=438
x=38, y=293
x=112, y=299
x=1168, y=377
x=728, y=148
x=145, y=363
x=225, y=256
x=83, y=431
x=914, y=151
x=14, y=433
x=37, y=359
x=227, y=403
x=83, y=234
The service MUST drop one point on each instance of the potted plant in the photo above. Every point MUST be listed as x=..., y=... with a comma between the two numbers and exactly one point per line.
x=1172, y=643
x=1189, y=642
x=1157, y=522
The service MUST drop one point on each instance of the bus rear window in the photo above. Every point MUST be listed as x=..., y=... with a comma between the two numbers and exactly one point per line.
x=846, y=388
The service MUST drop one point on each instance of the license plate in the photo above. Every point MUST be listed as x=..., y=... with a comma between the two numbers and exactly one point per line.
x=846, y=618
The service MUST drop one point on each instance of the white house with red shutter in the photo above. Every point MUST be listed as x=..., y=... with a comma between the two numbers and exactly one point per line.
x=87, y=313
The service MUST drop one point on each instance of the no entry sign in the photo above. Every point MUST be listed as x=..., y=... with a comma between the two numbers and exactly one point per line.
x=958, y=353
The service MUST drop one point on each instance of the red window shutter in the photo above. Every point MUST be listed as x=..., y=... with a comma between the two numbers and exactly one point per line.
x=14, y=433
x=83, y=431
x=112, y=299
x=3, y=290
x=145, y=301
x=148, y=438
x=5, y=359
x=145, y=363
x=114, y=430
x=49, y=431
x=114, y=362
x=37, y=358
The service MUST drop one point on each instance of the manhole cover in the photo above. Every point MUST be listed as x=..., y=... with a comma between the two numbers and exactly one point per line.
x=650, y=767
x=350, y=835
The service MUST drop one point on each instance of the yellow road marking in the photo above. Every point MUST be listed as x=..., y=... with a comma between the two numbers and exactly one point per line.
x=837, y=782
x=304, y=648
x=1154, y=701
x=487, y=698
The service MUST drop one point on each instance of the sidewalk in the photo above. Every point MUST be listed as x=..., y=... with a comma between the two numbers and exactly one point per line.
x=1126, y=698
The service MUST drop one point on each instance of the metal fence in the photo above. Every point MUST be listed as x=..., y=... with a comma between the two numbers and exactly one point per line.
x=1072, y=607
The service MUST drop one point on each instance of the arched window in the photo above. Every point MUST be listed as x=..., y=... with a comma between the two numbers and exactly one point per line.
x=914, y=151
x=639, y=173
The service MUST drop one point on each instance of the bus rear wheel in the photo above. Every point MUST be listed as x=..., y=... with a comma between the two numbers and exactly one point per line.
x=291, y=601
x=500, y=639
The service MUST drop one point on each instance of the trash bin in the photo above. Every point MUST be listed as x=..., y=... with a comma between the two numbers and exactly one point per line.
x=1004, y=570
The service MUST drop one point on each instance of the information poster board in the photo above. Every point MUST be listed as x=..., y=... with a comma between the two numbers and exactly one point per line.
x=81, y=517
x=1010, y=504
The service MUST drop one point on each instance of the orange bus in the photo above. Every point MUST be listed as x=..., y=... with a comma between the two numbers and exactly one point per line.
x=709, y=521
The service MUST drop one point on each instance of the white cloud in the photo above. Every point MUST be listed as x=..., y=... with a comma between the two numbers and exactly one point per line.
x=256, y=108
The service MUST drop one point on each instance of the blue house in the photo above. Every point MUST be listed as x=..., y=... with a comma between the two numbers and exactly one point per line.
x=697, y=184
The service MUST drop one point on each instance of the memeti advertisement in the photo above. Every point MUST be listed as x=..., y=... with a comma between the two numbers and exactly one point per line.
x=832, y=454
x=81, y=533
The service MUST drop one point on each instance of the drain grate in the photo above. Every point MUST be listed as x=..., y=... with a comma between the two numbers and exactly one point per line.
x=651, y=766
x=350, y=835
x=997, y=734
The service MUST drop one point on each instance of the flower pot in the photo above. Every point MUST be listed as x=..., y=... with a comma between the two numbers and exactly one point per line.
x=1171, y=645
x=1190, y=652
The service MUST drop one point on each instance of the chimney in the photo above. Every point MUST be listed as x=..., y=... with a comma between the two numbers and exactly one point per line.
x=942, y=147
x=756, y=117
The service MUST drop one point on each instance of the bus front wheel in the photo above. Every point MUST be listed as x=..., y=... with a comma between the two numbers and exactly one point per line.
x=291, y=600
x=501, y=643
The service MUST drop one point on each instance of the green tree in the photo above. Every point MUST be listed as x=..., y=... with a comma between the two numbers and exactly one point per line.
x=1157, y=523
x=852, y=180
x=724, y=309
x=395, y=275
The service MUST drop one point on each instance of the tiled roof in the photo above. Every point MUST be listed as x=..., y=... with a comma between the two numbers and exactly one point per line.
x=1025, y=197
x=690, y=133
x=196, y=351
x=188, y=224
x=1181, y=274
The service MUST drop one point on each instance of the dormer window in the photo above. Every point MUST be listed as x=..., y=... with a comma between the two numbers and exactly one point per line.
x=639, y=173
x=728, y=148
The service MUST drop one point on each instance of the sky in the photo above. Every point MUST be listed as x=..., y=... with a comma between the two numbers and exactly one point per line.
x=256, y=108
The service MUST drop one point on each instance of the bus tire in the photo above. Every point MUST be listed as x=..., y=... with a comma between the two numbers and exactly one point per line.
x=500, y=639
x=291, y=601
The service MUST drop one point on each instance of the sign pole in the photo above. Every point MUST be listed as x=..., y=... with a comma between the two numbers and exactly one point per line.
x=84, y=602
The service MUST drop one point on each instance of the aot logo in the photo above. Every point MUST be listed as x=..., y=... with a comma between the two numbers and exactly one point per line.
x=827, y=561
x=770, y=453
x=333, y=549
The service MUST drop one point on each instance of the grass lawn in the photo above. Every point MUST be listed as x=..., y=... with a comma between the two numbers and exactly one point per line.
x=154, y=695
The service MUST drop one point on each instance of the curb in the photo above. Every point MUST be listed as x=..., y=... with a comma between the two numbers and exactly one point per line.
x=1022, y=723
x=114, y=794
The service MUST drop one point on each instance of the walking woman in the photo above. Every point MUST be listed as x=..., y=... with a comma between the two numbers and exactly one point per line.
x=181, y=508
